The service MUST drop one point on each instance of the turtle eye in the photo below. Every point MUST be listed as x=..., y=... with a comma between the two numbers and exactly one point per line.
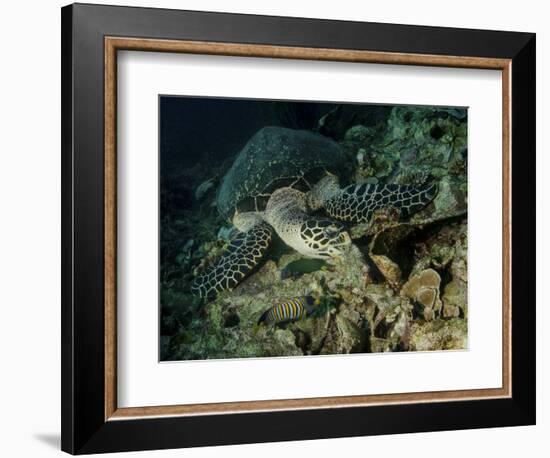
x=332, y=231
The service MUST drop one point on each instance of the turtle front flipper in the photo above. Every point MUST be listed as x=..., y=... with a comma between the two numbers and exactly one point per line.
x=357, y=203
x=244, y=253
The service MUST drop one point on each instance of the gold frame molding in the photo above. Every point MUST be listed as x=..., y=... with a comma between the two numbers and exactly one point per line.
x=114, y=44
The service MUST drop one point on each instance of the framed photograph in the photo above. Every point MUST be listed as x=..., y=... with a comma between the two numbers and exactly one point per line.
x=282, y=228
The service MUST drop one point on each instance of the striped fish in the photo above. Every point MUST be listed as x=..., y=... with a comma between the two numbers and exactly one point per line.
x=291, y=310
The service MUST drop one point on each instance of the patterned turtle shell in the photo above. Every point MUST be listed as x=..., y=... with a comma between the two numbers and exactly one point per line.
x=273, y=158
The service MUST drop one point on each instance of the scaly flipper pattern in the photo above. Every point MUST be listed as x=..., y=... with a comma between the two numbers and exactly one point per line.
x=243, y=254
x=357, y=203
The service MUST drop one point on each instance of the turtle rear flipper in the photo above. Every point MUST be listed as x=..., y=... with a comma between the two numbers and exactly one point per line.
x=244, y=253
x=357, y=203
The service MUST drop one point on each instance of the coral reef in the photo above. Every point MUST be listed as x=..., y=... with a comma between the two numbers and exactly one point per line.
x=439, y=334
x=423, y=289
x=402, y=285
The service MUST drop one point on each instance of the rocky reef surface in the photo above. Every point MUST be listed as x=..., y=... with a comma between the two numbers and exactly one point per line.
x=401, y=287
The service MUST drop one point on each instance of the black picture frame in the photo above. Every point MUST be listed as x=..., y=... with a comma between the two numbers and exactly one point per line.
x=84, y=427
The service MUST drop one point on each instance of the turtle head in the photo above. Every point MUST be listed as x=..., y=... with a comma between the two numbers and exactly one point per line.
x=322, y=238
x=326, y=188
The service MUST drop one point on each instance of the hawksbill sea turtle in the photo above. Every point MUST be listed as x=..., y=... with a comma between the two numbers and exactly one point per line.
x=287, y=181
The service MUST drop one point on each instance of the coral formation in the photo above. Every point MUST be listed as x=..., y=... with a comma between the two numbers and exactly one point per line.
x=423, y=289
x=203, y=188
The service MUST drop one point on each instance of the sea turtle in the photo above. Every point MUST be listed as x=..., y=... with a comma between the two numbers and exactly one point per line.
x=287, y=181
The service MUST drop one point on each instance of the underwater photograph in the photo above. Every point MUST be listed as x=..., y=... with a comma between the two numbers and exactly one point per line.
x=293, y=228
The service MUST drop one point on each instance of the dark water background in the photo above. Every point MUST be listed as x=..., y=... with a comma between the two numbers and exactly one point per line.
x=191, y=127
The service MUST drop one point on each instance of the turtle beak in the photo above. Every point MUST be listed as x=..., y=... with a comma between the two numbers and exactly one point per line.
x=344, y=239
x=342, y=242
x=338, y=246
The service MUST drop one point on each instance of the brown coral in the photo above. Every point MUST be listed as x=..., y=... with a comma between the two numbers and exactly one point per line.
x=423, y=288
